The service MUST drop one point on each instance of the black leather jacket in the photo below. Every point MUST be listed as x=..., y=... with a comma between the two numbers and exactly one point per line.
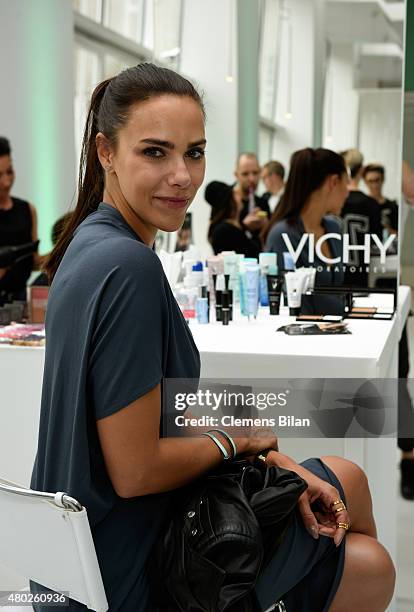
x=226, y=527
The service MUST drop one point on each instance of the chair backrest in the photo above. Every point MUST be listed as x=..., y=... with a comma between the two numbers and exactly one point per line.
x=46, y=538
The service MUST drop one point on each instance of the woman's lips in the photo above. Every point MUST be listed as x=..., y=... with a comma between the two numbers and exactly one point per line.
x=173, y=202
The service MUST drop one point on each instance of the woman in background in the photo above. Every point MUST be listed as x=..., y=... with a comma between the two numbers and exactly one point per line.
x=18, y=226
x=225, y=232
x=316, y=188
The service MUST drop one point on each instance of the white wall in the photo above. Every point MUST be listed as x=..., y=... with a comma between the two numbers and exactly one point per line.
x=297, y=79
x=379, y=137
x=206, y=59
x=36, y=103
x=340, y=111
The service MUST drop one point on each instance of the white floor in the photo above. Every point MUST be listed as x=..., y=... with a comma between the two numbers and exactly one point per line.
x=405, y=551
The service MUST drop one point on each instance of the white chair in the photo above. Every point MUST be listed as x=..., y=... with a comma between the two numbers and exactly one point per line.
x=46, y=538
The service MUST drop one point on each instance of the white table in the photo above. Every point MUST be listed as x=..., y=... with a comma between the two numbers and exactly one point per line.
x=253, y=349
x=240, y=350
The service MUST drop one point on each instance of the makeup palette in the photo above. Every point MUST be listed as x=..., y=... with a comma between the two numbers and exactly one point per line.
x=320, y=318
x=365, y=312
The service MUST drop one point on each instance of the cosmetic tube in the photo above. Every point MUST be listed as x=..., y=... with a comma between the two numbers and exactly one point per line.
x=202, y=310
x=288, y=262
x=274, y=288
x=242, y=288
x=214, y=266
x=231, y=267
x=265, y=260
x=312, y=276
x=220, y=286
x=294, y=285
x=225, y=307
x=252, y=289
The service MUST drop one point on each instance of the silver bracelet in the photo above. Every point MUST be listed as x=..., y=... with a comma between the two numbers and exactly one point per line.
x=219, y=445
x=229, y=440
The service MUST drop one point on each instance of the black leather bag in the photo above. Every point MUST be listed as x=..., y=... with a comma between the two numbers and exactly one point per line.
x=225, y=528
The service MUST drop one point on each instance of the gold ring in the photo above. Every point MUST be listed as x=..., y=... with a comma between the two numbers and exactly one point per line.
x=340, y=508
x=343, y=526
x=338, y=501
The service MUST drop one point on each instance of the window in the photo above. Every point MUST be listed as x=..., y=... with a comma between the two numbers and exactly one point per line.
x=87, y=76
x=270, y=14
x=167, y=31
x=89, y=8
x=125, y=18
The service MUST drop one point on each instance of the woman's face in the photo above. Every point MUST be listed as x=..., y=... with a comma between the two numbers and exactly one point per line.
x=158, y=164
x=338, y=193
x=6, y=176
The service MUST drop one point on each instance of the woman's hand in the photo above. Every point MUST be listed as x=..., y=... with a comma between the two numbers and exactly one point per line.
x=256, y=443
x=321, y=519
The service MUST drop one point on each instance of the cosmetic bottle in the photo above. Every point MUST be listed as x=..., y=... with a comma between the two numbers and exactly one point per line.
x=220, y=287
x=225, y=307
x=202, y=310
x=252, y=289
x=197, y=273
x=274, y=286
x=265, y=261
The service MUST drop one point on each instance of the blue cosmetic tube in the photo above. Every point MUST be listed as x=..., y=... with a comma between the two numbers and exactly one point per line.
x=202, y=310
x=252, y=289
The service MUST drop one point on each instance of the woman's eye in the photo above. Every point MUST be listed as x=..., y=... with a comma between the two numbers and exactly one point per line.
x=196, y=153
x=154, y=152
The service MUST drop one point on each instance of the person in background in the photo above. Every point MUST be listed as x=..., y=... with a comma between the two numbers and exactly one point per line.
x=374, y=176
x=225, y=232
x=254, y=210
x=408, y=182
x=273, y=175
x=361, y=216
x=405, y=405
x=18, y=226
x=316, y=188
x=41, y=280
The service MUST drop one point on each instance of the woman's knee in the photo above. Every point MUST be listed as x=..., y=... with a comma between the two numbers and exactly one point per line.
x=358, y=496
x=347, y=472
x=368, y=580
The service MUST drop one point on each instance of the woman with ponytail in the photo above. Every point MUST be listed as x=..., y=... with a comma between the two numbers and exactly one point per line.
x=115, y=334
x=317, y=187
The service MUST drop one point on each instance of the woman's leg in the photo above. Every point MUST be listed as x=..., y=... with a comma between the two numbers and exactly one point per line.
x=368, y=581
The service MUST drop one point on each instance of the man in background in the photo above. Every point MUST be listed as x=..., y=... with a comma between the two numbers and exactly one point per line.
x=361, y=216
x=273, y=175
x=254, y=209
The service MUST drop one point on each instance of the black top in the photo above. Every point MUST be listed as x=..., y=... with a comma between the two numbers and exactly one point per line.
x=361, y=216
x=228, y=237
x=259, y=203
x=389, y=214
x=16, y=229
x=293, y=230
x=114, y=331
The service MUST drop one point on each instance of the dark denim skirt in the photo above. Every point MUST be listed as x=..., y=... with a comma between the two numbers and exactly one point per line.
x=305, y=573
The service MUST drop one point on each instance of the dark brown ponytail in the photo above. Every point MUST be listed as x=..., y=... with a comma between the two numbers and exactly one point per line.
x=309, y=168
x=90, y=182
x=109, y=111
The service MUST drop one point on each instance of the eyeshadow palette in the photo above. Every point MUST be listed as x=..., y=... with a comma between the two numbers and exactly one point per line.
x=361, y=312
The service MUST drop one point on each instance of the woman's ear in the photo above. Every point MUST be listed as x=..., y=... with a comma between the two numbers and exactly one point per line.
x=104, y=151
x=333, y=181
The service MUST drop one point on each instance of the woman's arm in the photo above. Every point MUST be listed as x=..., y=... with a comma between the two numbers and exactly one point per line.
x=140, y=463
x=36, y=257
x=408, y=182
